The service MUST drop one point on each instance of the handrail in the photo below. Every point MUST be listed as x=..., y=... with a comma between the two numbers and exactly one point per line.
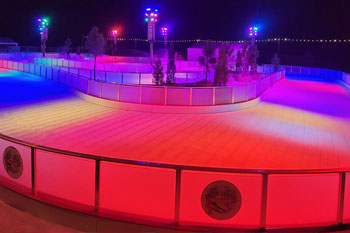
x=173, y=166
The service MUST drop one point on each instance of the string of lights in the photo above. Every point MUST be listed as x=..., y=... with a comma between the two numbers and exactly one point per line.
x=243, y=41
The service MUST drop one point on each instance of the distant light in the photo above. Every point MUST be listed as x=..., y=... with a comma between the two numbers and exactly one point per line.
x=146, y=19
x=156, y=10
x=148, y=9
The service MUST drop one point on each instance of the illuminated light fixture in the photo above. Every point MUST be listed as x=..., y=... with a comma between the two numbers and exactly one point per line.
x=253, y=31
x=44, y=31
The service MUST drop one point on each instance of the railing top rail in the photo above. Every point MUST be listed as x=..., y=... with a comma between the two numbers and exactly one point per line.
x=176, y=166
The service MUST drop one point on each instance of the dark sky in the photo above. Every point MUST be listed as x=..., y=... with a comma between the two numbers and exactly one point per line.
x=187, y=19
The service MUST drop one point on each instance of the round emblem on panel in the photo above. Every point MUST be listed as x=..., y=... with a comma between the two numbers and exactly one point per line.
x=221, y=200
x=13, y=163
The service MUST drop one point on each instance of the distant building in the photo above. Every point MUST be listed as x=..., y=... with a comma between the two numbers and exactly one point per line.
x=8, y=44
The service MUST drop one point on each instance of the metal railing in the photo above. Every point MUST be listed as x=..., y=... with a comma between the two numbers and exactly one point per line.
x=148, y=94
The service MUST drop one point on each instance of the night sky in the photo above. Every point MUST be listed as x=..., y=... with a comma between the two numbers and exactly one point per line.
x=187, y=19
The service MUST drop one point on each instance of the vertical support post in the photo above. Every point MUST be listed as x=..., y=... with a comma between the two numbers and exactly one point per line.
x=246, y=93
x=177, y=196
x=140, y=94
x=255, y=95
x=190, y=96
x=263, y=204
x=139, y=78
x=122, y=77
x=341, y=197
x=165, y=95
x=97, y=185
x=213, y=95
x=118, y=96
x=33, y=165
x=233, y=95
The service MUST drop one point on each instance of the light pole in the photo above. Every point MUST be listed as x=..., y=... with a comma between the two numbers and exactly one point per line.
x=151, y=19
x=165, y=35
x=44, y=33
x=253, y=32
x=115, y=34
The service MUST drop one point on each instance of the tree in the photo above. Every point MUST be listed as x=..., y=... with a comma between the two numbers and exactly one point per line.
x=158, y=74
x=221, y=70
x=252, y=58
x=67, y=44
x=171, y=68
x=239, y=61
x=276, y=63
x=208, y=60
x=95, y=44
x=245, y=64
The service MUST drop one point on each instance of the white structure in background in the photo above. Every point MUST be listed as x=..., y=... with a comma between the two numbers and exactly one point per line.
x=196, y=51
x=8, y=45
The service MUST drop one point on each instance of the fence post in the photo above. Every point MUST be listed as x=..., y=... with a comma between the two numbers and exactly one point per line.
x=177, y=196
x=233, y=95
x=263, y=204
x=118, y=96
x=341, y=197
x=190, y=96
x=140, y=94
x=165, y=95
x=97, y=185
x=213, y=95
x=33, y=165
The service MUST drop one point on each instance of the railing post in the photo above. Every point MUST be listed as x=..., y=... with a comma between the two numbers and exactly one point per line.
x=140, y=94
x=233, y=95
x=213, y=95
x=165, y=95
x=341, y=197
x=190, y=96
x=263, y=204
x=118, y=96
x=177, y=196
x=33, y=165
x=97, y=185
x=246, y=93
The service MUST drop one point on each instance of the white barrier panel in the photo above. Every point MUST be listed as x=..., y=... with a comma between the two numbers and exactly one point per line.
x=302, y=200
x=153, y=95
x=65, y=180
x=202, y=96
x=178, y=96
x=195, y=200
x=95, y=88
x=240, y=93
x=129, y=94
x=109, y=91
x=113, y=77
x=147, y=79
x=131, y=78
x=223, y=95
x=139, y=192
x=251, y=91
x=15, y=169
x=83, y=85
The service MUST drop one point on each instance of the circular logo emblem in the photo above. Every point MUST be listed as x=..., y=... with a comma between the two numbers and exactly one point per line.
x=13, y=162
x=221, y=200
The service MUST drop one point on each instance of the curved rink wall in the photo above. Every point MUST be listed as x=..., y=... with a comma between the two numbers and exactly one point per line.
x=178, y=196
